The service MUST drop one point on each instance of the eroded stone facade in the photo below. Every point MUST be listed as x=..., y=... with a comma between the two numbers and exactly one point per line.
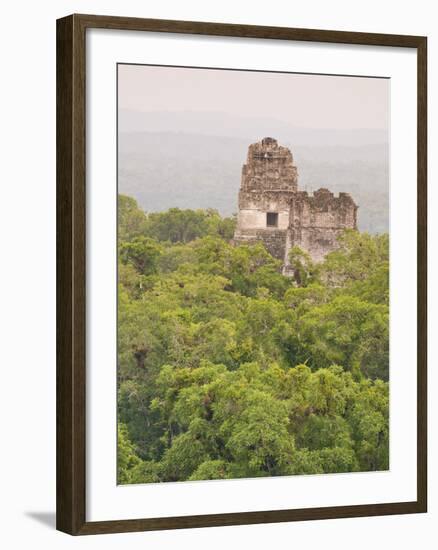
x=273, y=210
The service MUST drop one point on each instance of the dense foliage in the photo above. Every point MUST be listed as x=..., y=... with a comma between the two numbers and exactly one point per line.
x=228, y=369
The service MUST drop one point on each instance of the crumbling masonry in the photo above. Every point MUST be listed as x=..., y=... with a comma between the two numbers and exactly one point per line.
x=272, y=210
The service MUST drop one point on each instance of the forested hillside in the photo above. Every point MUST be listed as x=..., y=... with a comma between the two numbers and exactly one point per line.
x=228, y=369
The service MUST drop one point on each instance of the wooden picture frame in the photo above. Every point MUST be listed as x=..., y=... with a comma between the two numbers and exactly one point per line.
x=71, y=273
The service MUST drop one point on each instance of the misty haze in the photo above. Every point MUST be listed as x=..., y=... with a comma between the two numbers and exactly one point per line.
x=183, y=135
x=194, y=160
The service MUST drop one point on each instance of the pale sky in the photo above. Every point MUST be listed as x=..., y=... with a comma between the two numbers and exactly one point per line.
x=309, y=101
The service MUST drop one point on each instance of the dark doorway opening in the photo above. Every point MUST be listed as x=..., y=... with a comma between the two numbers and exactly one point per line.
x=272, y=219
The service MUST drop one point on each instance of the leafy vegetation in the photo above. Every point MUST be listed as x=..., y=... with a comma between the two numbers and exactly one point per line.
x=229, y=369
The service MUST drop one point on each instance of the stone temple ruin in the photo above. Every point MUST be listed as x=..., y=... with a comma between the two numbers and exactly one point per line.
x=274, y=211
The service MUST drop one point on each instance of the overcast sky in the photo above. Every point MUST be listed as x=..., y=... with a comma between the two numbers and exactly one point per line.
x=309, y=101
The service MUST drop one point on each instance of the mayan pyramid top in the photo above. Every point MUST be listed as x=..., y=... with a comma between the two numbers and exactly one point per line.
x=269, y=167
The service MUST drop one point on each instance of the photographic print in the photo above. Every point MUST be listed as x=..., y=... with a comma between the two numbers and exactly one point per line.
x=253, y=274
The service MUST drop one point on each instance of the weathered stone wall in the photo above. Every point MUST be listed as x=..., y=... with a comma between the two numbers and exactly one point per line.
x=270, y=185
x=254, y=205
x=273, y=239
x=269, y=180
x=269, y=167
x=317, y=220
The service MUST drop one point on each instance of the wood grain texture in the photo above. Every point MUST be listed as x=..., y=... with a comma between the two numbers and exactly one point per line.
x=71, y=270
x=247, y=31
x=422, y=274
x=70, y=386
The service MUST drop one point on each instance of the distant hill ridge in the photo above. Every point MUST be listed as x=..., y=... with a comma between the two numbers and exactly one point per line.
x=189, y=170
x=251, y=129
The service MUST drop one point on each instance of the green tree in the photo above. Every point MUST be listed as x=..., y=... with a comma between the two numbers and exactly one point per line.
x=127, y=459
x=304, y=269
x=131, y=219
x=348, y=332
x=228, y=369
x=142, y=252
x=182, y=226
x=359, y=255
